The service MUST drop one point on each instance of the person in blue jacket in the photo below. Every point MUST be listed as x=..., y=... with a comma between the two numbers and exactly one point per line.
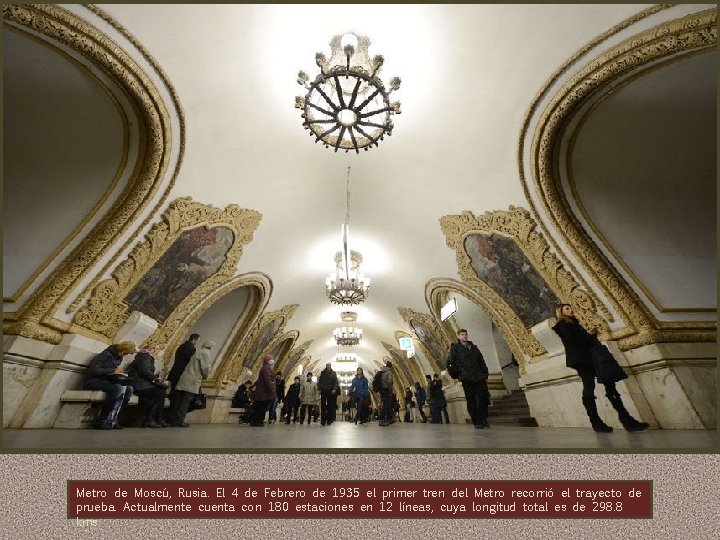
x=361, y=392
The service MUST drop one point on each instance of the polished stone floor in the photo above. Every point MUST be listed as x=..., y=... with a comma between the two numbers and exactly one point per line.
x=344, y=435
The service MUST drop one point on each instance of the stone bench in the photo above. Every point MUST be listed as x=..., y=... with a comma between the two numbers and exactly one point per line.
x=81, y=407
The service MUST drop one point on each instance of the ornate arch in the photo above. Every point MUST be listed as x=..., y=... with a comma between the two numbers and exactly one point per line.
x=260, y=336
x=521, y=341
x=279, y=342
x=685, y=35
x=35, y=318
x=435, y=345
x=261, y=286
x=415, y=366
x=291, y=359
x=400, y=364
x=106, y=309
x=518, y=225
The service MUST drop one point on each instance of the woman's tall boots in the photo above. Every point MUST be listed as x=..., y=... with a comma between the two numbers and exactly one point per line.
x=628, y=422
x=595, y=420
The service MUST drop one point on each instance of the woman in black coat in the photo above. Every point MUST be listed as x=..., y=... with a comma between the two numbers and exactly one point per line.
x=578, y=342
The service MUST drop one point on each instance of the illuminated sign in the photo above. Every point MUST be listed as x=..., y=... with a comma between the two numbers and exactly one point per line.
x=448, y=309
x=406, y=344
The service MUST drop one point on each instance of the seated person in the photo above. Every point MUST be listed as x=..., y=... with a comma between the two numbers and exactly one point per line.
x=104, y=373
x=148, y=387
x=241, y=399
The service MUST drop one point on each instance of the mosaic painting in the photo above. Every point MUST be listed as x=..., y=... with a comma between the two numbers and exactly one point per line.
x=262, y=340
x=501, y=264
x=195, y=256
x=428, y=340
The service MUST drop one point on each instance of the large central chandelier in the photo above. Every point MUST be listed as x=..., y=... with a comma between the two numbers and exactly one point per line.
x=347, y=286
x=347, y=106
x=349, y=335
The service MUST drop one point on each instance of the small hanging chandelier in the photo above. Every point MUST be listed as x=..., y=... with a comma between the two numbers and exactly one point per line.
x=348, y=336
x=347, y=106
x=347, y=286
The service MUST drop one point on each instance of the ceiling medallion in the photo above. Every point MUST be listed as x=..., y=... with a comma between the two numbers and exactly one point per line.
x=347, y=106
x=348, y=336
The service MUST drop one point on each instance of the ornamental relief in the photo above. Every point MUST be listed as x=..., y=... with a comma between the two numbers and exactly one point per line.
x=292, y=359
x=401, y=365
x=691, y=33
x=107, y=308
x=426, y=331
x=518, y=225
x=256, y=340
x=278, y=349
x=415, y=367
x=171, y=333
x=521, y=341
x=34, y=318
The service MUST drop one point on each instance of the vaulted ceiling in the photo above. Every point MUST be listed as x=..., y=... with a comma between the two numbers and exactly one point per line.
x=469, y=75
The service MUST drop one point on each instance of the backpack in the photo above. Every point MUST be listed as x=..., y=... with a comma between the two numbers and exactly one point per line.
x=377, y=381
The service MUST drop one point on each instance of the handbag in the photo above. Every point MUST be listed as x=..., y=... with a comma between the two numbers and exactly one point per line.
x=607, y=370
x=198, y=401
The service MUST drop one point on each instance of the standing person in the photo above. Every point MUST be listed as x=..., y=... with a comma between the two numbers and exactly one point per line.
x=420, y=397
x=308, y=393
x=577, y=342
x=148, y=387
x=329, y=387
x=473, y=374
x=442, y=402
x=409, y=404
x=197, y=369
x=104, y=373
x=279, y=396
x=361, y=392
x=433, y=399
x=291, y=402
x=386, y=383
x=182, y=356
x=265, y=392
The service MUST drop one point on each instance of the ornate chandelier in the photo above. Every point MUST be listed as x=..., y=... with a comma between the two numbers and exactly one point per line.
x=348, y=335
x=347, y=286
x=346, y=357
x=347, y=106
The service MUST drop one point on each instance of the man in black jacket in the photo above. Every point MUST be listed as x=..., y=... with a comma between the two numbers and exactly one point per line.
x=329, y=387
x=291, y=401
x=182, y=356
x=473, y=376
x=104, y=373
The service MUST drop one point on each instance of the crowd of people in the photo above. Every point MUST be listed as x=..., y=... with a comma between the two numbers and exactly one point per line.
x=318, y=401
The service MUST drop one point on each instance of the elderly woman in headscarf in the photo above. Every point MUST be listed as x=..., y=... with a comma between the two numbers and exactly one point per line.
x=265, y=392
x=189, y=384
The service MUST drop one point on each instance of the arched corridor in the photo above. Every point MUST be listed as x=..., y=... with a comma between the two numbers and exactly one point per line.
x=157, y=188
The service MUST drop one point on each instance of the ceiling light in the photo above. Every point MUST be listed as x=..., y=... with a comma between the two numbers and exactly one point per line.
x=347, y=286
x=348, y=335
x=347, y=106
